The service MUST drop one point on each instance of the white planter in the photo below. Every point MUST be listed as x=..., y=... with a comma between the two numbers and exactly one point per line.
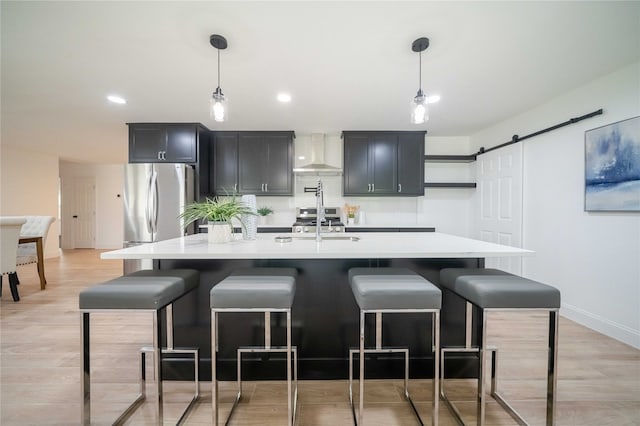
x=263, y=220
x=219, y=232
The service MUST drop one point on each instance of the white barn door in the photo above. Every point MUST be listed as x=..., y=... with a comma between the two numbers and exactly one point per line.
x=499, y=203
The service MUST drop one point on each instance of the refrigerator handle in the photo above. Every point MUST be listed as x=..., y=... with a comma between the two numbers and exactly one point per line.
x=154, y=204
x=147, y=211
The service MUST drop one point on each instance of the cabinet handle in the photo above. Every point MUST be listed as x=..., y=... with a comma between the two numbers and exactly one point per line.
x=266, y=187
x=368, y=187
x=373, y=187
x=159, y=155
x=235, y=187
x=262, y=187
x=399, y=187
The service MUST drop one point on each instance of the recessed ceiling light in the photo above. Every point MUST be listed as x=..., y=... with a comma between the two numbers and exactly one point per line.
x=433, y=99
x=117, y=99
x=284, y=97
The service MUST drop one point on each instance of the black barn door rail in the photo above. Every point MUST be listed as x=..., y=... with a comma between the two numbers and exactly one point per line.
x=516, y=138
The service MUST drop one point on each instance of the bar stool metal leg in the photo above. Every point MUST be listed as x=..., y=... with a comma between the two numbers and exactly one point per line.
x=361, y=378
x=292, y=373
x=362, y=351
x=171, y=349
x=157, y=357
x=436, y=367
x=85, y=361
x=482, y=350
x=85, y=366
x=552, y=372
x=289, y=402
x=214, y=378
x=482, y=371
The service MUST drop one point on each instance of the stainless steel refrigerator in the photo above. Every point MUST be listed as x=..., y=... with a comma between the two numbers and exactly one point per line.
x=154, y=196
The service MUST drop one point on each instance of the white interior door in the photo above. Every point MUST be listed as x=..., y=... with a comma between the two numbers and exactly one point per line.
x=83, y=216
x=499, y=203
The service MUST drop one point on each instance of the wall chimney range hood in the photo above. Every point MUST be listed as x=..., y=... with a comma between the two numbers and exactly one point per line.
x=317, y=165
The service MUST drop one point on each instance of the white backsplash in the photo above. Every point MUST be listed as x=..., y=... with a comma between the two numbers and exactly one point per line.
x=379, y=211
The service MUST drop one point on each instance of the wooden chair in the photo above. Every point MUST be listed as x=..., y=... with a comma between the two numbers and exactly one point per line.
x=9, y=234
x=35, y=226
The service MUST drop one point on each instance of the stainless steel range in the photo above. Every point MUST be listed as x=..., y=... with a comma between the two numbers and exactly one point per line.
x=306, y=220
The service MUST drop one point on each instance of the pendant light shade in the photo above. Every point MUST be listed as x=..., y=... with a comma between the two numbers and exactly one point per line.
x=218, y=106
x=218, y=109
x=419, y=104
x=419, y=108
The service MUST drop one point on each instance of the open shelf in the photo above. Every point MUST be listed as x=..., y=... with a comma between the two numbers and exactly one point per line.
x=450, y=158
x=450, y=185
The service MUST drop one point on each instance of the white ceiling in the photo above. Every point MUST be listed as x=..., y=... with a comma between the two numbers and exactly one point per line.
x=347, y=65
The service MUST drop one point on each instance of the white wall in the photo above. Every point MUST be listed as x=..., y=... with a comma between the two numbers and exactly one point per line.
x=109, y=180
x=29, y=182
x=448, y=208
x=593, y=258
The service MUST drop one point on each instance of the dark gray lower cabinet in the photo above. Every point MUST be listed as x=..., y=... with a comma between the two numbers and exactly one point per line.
x=258, y=163
x=383, y=163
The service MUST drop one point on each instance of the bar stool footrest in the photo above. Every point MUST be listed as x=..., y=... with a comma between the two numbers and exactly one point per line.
x=404, y=351
x=196, y=376
x=494, y=385
x=261, y=349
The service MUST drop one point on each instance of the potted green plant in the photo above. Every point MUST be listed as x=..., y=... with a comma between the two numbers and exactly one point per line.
x=263, y=213
x=218, y=213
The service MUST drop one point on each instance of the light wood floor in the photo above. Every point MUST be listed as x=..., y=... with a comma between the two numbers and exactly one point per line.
x=599, y=378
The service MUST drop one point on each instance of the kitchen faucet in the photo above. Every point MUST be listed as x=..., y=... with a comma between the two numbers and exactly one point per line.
x=320, y=217
x=320, y=214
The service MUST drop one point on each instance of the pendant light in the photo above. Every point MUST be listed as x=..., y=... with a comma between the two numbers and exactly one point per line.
x=419, y=104
x=218, y=103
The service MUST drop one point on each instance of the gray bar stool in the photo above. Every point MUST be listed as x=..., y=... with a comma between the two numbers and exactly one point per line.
x=142, y=291
x=263, y=290
x=492, y=290
x=393, y=290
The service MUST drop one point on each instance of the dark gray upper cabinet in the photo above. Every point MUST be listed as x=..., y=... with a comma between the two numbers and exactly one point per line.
x=356, y=179
x=410, y=165
x=164, y=142
x=258, y=163
x=383, y=163
x=225, y=163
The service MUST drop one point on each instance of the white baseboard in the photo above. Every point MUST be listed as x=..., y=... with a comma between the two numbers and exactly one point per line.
x=109, y=246
x=602, y=325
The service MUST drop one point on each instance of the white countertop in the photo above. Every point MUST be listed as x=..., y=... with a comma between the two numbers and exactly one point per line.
x=371, y=245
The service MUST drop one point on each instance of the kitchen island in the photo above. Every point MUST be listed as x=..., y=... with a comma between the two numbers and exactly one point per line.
x=325, y=315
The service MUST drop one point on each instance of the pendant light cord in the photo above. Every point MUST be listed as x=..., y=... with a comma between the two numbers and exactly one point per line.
x=420, y=72
x=218, y=68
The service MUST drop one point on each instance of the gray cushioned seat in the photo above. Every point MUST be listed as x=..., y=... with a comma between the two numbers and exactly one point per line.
x=448, y=276
x=138, y=292
x=255, y=288
x=492, y=288
x=393, y=288
x=190, y=277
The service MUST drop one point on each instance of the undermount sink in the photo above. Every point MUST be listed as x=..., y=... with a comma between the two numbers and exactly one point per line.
x=311, y=238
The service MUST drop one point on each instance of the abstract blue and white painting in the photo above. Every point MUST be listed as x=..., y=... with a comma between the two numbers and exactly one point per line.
x=612, y=167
